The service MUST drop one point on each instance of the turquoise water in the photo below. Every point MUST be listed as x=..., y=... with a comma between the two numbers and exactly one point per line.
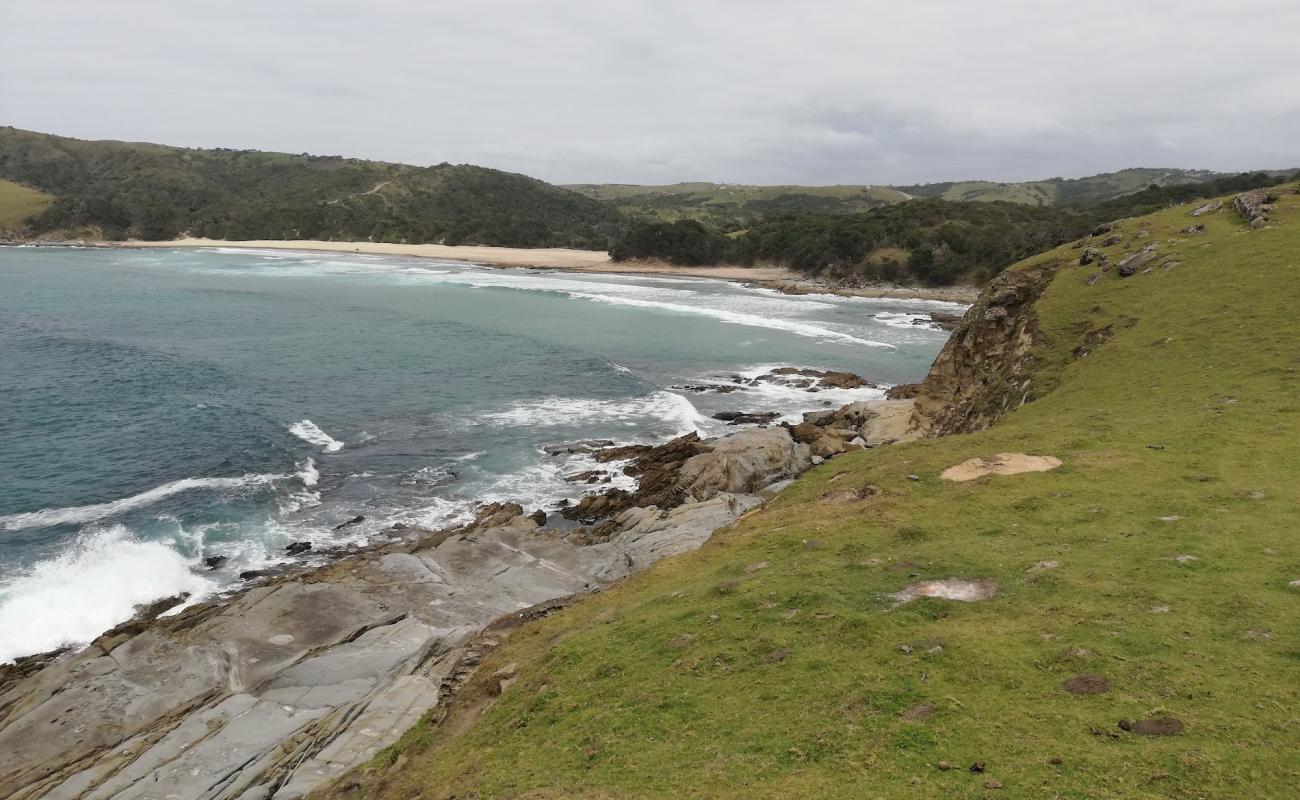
x=159, y=407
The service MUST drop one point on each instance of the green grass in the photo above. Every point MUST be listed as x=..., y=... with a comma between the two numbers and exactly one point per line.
x=1038, y=193
x=729, y=205
x=17, y=203
x=1191, y=411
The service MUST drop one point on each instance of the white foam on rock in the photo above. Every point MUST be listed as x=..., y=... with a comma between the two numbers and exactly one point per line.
x=87, y=589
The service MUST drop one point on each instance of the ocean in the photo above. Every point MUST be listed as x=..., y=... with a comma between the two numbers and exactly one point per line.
x=163, y=407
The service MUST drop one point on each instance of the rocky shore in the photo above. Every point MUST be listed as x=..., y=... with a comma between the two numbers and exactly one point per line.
x=310, y=672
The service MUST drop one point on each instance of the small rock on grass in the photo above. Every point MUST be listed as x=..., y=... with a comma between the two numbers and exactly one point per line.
x=992, y=783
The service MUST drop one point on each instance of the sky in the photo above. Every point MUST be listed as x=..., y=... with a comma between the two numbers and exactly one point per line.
x=658, y=91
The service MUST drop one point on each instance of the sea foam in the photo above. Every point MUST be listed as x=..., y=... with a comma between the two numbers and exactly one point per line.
x=81, y=515
x=88, y=588
x=660, y=406
x=309, y=432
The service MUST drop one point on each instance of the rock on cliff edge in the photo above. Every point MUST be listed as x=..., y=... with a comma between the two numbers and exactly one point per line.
x=984, y=371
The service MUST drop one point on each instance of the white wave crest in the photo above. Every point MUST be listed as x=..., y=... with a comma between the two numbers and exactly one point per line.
x=556, y=411
x=80, y=515
x=897, y=319
x=734, y=317
x=309, y=432
x=87, y=589
x=307, y=473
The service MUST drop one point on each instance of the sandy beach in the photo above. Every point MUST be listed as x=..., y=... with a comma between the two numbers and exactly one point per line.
x=778, y=278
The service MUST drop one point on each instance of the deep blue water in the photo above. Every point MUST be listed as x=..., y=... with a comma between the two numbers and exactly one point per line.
x=161, y=406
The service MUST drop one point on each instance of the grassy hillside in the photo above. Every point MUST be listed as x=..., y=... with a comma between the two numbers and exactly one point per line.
x=927, y=241
x=1162, y=557
x=17, y=203
x=1063, y=191
x=155, y=192
x=730, y=206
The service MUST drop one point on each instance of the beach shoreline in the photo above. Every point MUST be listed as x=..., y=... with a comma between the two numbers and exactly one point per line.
x=569, y=260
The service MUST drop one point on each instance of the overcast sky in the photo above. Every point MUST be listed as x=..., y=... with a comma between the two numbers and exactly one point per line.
x=650, y=91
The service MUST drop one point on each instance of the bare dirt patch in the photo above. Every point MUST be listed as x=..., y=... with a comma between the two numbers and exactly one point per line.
x=1087, y=684
x=960, y=589
x=1000, y=464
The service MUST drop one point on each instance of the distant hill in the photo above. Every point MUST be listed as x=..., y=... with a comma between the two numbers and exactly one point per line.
x=930, y=240
x=1063, y=191
x=730, y=206
x=149, y=191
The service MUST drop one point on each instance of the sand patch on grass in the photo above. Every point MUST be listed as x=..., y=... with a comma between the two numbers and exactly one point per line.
x=1000, y=464
x=960, y=589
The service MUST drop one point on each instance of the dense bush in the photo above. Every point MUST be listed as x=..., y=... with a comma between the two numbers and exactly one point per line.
x=940, y=241
x=682, y=242
x=154, y=192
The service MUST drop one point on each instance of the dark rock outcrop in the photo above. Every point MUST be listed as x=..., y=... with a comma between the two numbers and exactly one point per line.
x=985, y=369
x=746, y=418
x=1253, y=207
x=1131, y=263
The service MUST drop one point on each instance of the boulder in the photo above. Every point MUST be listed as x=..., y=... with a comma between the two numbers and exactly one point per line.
x=843, y=380
x=746, y=418
x=945, y=322
x=1131, y=263
x=742, y=463
x=1090, y=255
x=493, y=514
x=1208, y=208
x=1253, y=207
x=575, y=448
x=297, y=548
x=827, y=446
x=648, y=534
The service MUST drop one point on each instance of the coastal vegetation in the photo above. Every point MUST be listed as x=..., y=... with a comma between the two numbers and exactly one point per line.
x=731, y=207
x=1132, y=634
x=53, y=187
x=1062, y=191
x=931, y=241
x=123, y=190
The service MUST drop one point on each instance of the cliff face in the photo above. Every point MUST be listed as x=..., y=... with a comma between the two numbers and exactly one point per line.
x=985, y=369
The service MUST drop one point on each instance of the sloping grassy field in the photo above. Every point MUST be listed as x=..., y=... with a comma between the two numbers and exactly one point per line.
x=727, y=205
x=773, y=663
x=17, y=203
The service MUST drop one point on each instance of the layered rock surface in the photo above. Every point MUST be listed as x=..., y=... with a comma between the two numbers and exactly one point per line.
x=294, y=681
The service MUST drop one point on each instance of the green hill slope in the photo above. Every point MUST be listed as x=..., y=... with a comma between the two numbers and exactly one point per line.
x=155, y=192
x=1158, y=567
x=18, y=203
x=735, y=206
x=1063, y=191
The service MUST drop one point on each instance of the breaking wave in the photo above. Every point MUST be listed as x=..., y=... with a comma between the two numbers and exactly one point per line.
x=309, y=432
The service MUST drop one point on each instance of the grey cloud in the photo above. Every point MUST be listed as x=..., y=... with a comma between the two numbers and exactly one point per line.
x=666, y=90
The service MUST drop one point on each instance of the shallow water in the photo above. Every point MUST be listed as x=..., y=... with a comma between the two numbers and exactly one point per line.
x=161, y=406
